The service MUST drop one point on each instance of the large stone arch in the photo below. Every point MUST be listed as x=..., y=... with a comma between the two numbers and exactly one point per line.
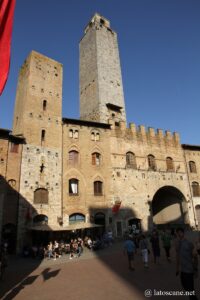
x=169, y=206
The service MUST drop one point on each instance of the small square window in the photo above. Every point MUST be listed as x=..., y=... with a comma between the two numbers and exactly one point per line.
x=14, y=148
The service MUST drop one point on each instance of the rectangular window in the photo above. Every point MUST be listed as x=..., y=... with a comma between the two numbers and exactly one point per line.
x=43, y=136
x=76, y=134
x=14, y=148
x=73, y=187
x=98, y=188
x=73, y=157
x=95, y=159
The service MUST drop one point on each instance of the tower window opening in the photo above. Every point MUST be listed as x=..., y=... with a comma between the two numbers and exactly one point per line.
x=102, y=21
x=44, y=105
x=43, y=135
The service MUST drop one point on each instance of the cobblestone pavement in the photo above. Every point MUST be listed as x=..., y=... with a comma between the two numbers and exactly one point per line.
x=95, y=275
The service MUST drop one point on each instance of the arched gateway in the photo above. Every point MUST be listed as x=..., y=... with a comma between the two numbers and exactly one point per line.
x=169, y=206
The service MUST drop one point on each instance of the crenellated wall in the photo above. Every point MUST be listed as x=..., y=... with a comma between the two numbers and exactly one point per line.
x=137, y=185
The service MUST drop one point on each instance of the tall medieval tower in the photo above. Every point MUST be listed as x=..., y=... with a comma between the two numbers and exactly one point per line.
x=38, y=108
x=101, y=89
x=38, y=118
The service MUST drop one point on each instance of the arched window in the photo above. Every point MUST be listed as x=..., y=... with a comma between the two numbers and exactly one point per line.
x=41, y=196
x=170, y=164
x=151, y=162
x=73, y=133
x=73, y=186
x=76, y=134
x=96, y=158
x=76, y=218
x=195, y=189
x=40, y=220
x=73, y=157
x=98, y=188
x=192, y=167
x=130, y=160
x=95, y=135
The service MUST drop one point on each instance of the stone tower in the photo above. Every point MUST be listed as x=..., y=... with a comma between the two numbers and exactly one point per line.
x=38, y=108
x=101, y=89
x=38, y=118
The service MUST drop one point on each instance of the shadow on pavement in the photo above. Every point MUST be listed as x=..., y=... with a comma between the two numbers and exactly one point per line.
x=20, y=272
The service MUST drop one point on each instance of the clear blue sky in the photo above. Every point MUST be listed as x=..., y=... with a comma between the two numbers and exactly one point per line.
x=159, y=42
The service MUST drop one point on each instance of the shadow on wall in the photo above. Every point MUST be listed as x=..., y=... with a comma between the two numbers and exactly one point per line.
x=19, y=278
x=118, y=221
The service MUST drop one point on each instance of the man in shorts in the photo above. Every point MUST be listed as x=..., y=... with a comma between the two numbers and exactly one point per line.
x=129, y=249
x=186, y=263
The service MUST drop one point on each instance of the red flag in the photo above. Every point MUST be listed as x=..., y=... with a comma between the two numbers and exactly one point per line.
x=6, y=20
x=116, y=207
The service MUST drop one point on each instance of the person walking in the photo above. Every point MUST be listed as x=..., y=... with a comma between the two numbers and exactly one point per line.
x=155, y=246
x=129, y=249
x=166, y=240
x=143, y=245
x=186, y=262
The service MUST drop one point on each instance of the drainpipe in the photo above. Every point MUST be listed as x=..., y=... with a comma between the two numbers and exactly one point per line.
x=190, y=189
x=17, y=222
x=5, y=175
x=62, y=176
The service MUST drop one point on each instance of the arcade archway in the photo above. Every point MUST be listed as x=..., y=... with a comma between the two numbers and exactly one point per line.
x=169, y=207
x=100, y=219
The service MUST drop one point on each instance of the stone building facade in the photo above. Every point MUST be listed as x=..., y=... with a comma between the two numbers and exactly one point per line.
x=10, y=170
x=74, y=173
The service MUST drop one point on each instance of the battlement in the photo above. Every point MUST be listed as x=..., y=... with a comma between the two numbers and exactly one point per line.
x=148, y=134
x=154, y=135
x=98, y=20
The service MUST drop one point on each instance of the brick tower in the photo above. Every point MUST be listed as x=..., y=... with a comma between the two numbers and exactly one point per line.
x=38, y=118
x=38, y=108
x=101, y=89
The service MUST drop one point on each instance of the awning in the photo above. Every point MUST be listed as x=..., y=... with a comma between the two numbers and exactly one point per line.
x=74, y=226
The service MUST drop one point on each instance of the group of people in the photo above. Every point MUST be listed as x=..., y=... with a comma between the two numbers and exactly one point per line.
x=187, y=253
x=55, y=250
x=74, y=247
x=142, y=242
